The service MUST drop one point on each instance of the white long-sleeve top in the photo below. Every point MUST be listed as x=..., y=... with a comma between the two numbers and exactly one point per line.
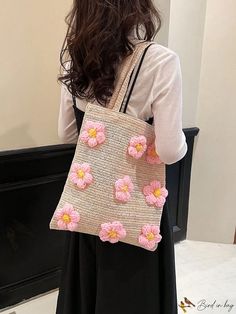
x=157, y=93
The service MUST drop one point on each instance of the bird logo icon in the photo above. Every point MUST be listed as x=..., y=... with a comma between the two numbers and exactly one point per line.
x=187, y=303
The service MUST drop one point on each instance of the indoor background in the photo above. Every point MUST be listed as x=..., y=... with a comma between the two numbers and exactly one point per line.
x=201, y=32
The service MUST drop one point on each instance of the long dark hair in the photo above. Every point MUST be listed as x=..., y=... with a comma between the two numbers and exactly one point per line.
x=97, y=39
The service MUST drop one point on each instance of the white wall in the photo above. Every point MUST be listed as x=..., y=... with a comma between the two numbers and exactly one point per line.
x=164, y=8
x=203, y=34
x=212, y=215
x=31, y=34
x=187, y=19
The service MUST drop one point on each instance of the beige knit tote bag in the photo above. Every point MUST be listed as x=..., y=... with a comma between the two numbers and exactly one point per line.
x=115, y=188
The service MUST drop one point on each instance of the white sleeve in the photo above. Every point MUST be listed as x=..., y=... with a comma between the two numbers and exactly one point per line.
x=67, y=127
x=170, y=140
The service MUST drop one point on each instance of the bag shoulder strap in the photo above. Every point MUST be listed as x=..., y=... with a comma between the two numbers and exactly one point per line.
x=126, y=70
x=132, y=82
x=125, y=73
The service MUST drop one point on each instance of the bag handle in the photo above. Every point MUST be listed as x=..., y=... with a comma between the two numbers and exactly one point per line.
x=125, y=73
x=126, y=70
x=132, y=82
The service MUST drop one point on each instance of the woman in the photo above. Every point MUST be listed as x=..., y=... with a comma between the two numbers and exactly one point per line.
x=99, y=277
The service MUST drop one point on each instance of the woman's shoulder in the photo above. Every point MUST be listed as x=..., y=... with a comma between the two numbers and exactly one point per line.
x=161, y=49
x=159, y=61
x=158, y=54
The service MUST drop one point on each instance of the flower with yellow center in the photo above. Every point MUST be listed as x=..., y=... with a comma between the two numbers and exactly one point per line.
x=81, y=173
x=157, y=192
x=150, y=236
x=92, y=133
x=139, y=147
x=66, y=218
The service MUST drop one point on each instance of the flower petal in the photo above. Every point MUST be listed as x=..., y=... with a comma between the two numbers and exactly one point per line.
x=59, y=213
x=84, y=136
x=132, y=151
x=117, y=225
x=92, y=142
x=122, y=196
x=147, y=190
x=119, y=184
x=88, y=178
x=143, y=240
x=155, y=229
x=114, y=240
x=155, y=184
x=75, y=216
x=89, y=125
x=81, y=184
x=105, y=226
x=158, y=238
x=72, y=226
x=85, y=167
x=133, y=141
x=122, y=233
x=146, y=229
x=142, y=140
x=164, y=192
x=99, y=127
x=151, y=199
x=131, y=186
x=68, y=207
x=139, y=154
x=127, y=181
x=75, y=167
x=100, y=137
x=73, y=177
x=61, y=225
x=151, y=244
x=160, y=201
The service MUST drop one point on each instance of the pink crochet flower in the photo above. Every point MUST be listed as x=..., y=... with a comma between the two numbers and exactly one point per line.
x=137, y=146
x=123, y=189
x=155, y=194
x=67, y=217
x=149, y=236
x=80, y=175
x=112, y=231
x=93, y=133
x=152, y=157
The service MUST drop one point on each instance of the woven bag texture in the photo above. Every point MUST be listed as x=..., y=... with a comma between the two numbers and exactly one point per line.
x=109, y=161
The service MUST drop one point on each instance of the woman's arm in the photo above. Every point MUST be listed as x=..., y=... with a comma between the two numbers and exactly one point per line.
x=170, y=139
x=67, y=128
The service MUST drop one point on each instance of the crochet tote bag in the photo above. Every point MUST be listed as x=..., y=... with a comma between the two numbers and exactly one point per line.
x=115, y=188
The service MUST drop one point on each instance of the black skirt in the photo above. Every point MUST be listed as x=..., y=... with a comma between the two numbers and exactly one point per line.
x=103, y=278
